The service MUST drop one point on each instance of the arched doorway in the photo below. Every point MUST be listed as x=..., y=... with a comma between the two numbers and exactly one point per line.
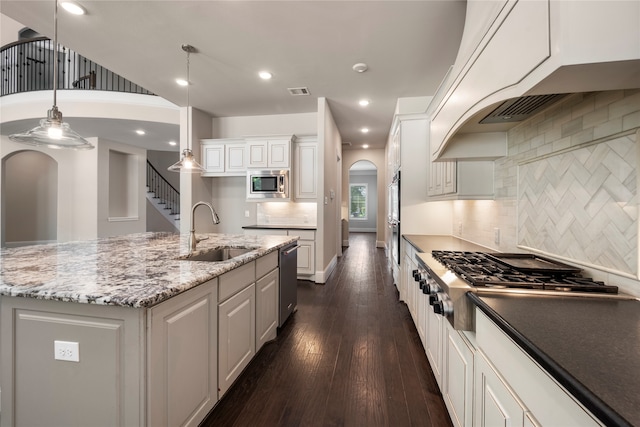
x=363, y=200
x=29, y=199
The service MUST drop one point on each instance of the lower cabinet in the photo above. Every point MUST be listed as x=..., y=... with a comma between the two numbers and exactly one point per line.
x=497, y=405
x=458, y=376
x=306, y=252
x=183, y=340
x=237, y=340
x=267, y=308
x=434, y=332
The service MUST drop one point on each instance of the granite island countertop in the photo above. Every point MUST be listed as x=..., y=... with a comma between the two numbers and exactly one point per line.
x=137, y=270
x=589, y=345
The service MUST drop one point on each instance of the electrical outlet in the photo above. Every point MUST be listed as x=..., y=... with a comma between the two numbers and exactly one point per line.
x=460, y=228
x=66, y=350
x=496, y=236
x=246, y=214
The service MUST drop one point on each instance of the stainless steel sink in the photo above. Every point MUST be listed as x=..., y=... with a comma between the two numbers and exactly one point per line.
x=217, y=255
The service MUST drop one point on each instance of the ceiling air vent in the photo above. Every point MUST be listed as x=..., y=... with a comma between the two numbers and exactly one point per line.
x=518, y=109
x=298, y=91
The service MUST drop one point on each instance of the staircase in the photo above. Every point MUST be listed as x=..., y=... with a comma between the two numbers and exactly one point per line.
x=163, y=196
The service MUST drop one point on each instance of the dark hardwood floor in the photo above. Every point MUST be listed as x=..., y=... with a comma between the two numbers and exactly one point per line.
x=350, y=356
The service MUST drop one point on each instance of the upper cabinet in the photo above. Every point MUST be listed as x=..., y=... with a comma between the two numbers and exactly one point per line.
x=223, y=157
x=273, y=152
x=515, y=49
x=305, y=169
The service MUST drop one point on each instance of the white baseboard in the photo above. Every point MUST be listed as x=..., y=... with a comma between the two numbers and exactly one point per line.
x=322, y=276
x=29, y=243
x=345, y=243
x=381, y=244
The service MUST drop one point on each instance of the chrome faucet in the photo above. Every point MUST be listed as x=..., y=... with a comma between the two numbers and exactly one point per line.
x=192, y=234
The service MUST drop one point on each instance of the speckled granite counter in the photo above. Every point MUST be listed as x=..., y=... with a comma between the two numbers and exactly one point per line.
x=138, y=270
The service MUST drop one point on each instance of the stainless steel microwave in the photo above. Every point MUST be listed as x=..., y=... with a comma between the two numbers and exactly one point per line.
x=267, y=184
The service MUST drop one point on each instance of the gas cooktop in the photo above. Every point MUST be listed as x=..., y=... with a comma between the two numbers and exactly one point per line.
x=520, y=271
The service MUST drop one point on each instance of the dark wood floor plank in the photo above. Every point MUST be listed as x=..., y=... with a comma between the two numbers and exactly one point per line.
x=349, y=356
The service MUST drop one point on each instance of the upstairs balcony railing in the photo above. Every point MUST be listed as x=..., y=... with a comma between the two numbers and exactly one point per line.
x=27, y=66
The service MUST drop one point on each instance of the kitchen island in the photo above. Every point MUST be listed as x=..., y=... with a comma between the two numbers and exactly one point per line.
x=141, y=323
x=544, y=359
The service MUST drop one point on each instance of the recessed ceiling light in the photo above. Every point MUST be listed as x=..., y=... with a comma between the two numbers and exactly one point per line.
x=265, y=75
x=182, y=82
x=173, y=143
x=140, y=132
x=73, y=8
x=364, y=130
x=364, y=102
x=365, y=146
x=360, y=67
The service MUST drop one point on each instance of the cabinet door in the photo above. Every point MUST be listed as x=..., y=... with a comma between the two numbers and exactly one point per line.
x=237, y=336
x=235, y=158
x=213, y=156
x=457, y=388
x=449, y=177
x=496, y=405
x=306, y=171
x=183, y=385
x=434, y=343
x=267, y=308
x=306, y=257
x=279, y=153
x=257, y=154
x=422, y=308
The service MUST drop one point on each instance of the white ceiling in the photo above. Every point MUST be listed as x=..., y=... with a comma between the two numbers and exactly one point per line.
x=408, y=46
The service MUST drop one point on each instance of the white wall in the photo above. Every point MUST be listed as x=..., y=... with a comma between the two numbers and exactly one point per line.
x=329, y=235
x=123, y=211
x=276, y=124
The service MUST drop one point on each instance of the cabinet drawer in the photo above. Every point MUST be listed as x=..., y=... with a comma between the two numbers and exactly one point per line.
x=235, y=280
x=266, y=263
x=303, y=234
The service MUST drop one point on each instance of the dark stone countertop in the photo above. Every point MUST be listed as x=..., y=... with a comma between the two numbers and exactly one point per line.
x=589, y=345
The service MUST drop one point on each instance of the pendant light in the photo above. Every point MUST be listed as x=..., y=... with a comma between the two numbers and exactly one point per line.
x=187, y=163
x=53, y=132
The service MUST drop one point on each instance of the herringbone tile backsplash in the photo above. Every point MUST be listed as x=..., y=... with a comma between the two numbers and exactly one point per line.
x=582, y=204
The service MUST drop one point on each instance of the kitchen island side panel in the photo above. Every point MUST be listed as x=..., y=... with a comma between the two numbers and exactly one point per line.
x=104, y=387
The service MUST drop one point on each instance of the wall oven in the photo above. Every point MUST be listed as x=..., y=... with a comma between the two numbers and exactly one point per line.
x=268, y=184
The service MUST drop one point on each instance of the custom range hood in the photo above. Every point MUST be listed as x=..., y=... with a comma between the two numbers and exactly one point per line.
x=519, y=58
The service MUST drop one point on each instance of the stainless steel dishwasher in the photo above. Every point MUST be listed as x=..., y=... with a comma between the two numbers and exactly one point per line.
x=288, y=281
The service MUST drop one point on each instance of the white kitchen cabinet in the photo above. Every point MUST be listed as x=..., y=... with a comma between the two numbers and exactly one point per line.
x=305, y=169
x=496, y=403
x=236, y=323
x=183, y=339
x=542, y=400
x=272, y=152
x=306, y=251
x=458, y=381
x=267, y=307
x=434, y=334
x=223, y=157
x=462, y=180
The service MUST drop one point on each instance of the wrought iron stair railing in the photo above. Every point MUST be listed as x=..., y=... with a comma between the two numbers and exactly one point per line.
x=164, y=192
x=27, y=66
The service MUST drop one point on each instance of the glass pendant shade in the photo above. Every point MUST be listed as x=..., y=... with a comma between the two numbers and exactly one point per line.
x=52, y=133
x=187, y=163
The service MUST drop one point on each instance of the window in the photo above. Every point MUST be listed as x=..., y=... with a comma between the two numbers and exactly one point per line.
x=358, y=201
